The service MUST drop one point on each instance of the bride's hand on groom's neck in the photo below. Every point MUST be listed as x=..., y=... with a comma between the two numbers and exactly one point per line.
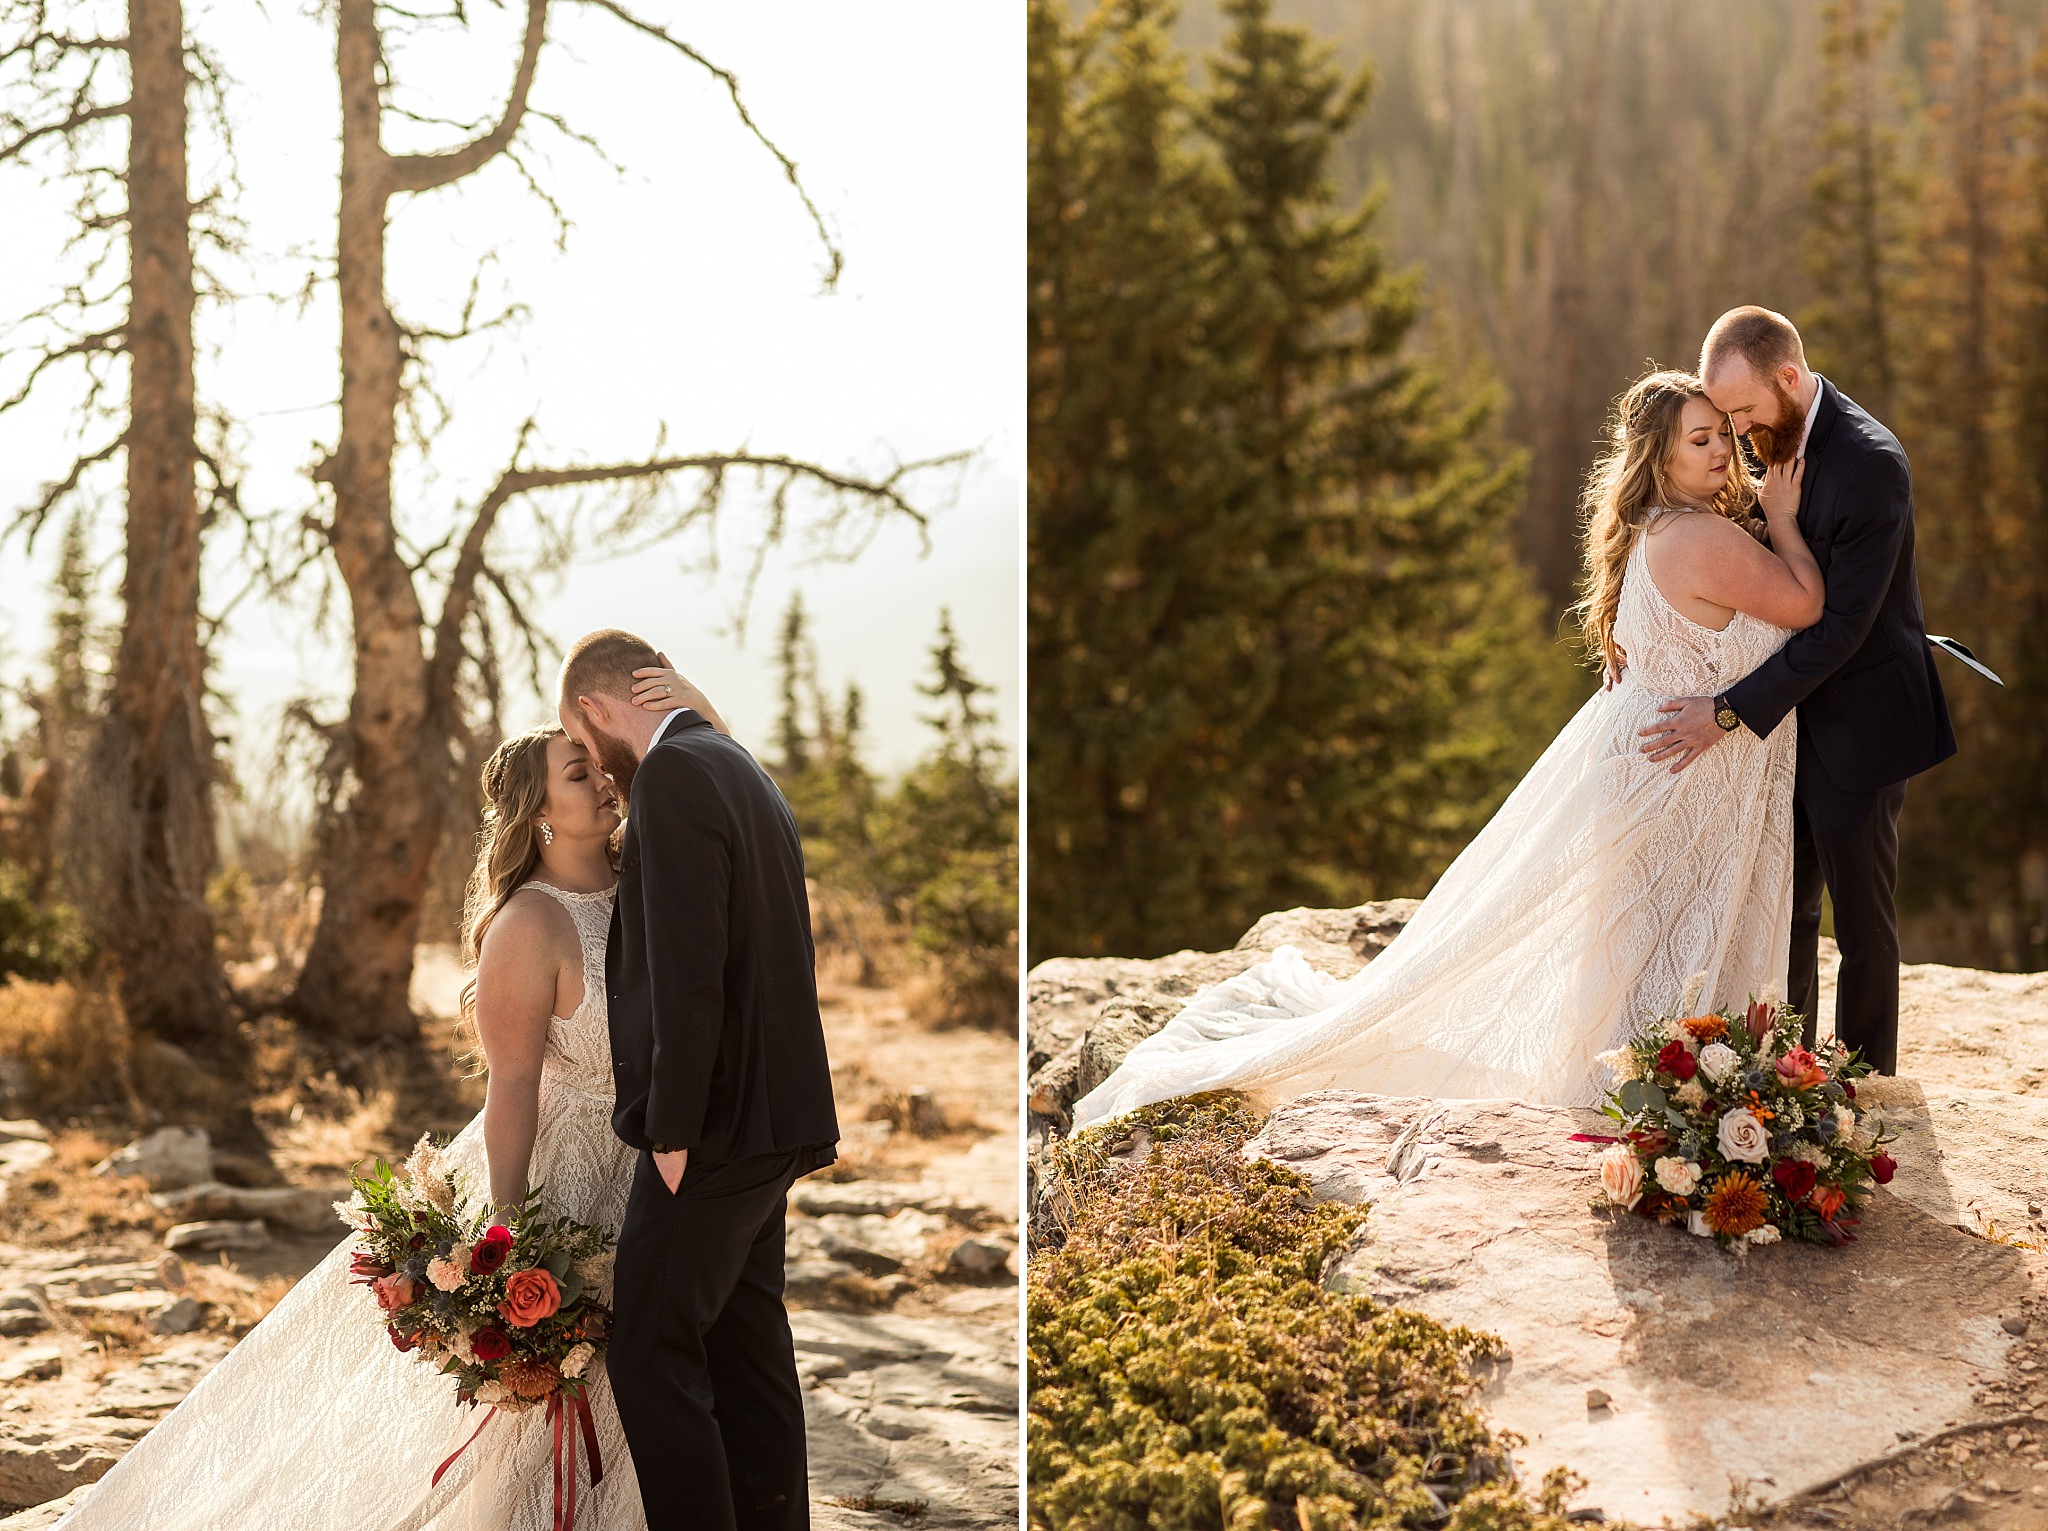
x=662, y=688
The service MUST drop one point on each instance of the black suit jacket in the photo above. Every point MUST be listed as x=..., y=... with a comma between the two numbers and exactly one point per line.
x=1871, y=709
x=716, y=1042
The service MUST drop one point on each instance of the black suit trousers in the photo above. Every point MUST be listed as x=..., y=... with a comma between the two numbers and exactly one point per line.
x=1848, y=843
x=701, y=1361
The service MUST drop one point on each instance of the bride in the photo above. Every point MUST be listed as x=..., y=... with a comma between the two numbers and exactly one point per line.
x=1608, y=878
x=314, y=1421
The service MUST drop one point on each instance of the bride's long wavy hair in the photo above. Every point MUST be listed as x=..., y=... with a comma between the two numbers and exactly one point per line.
x=1626, y=485
x=515, y=783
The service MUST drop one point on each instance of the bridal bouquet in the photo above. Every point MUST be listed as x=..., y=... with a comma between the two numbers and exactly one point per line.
x=510, y=1313
x=1734, y=1129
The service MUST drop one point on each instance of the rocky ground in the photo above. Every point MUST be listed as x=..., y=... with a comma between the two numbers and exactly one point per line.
x=1900, y=1382
x=902, y=1272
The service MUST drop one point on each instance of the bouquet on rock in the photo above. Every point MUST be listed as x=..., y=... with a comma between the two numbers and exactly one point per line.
x=510, y=1313
x=1734, y=1129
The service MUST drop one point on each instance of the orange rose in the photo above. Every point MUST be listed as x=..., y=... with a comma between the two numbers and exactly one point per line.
x=530, y=1296
x=1827, y=1201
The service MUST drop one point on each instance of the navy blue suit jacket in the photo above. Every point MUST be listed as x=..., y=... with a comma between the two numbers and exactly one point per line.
x=1871, y=709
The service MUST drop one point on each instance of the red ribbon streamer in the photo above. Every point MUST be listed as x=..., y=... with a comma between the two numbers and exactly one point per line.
x=1590, y=1137
x=459, y=1450
x=577, y=1409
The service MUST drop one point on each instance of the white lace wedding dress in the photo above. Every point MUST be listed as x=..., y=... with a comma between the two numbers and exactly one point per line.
x=1603, y=884
x=314, y=1422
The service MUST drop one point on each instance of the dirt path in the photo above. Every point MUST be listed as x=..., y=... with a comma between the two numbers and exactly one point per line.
x=903, y=1291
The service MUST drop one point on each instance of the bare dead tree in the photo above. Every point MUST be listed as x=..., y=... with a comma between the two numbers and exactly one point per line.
x=142, y=805
x=389, y=770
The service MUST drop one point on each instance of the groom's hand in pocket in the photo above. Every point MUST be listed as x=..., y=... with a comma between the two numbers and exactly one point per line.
x=670, y=1167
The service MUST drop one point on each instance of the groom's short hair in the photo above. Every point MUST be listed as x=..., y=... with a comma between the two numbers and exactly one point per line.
x=602, y=664
x=1763, y=338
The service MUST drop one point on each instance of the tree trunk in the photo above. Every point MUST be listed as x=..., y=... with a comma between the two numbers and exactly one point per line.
x=150, y=828
x=377, y=855
x=375, y=858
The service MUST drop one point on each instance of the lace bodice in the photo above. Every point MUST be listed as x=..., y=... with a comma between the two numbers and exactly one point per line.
x=1669, y=653
x=579, y=1046
x=273, y=1438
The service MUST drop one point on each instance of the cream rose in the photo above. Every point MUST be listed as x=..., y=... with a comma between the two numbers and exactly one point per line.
x=1718, y=1060
x=1845, y=1122
x=1742, y=1137
x=1621, y=1175
x=577, y=1360
x=1681, y=1177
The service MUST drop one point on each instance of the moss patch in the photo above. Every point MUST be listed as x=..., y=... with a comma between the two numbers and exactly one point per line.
x=1189, y=1370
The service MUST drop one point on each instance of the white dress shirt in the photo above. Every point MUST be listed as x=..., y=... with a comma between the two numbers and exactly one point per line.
x=1805, y=430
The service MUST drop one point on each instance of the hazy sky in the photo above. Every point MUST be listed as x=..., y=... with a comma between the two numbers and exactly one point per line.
x=689, y=295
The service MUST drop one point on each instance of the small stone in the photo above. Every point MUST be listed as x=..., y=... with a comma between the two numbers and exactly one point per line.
x=1596, y=1398
x=23, y=1131
x=978, y=1257
x=218, y=1235
x=2013, y=1325
x=181, y=1317
x=170, y=1270
x=34, y=1365
x=168, y=1158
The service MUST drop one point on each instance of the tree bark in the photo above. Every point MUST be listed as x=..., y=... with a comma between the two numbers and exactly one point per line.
x=151, y=829
x=377, y=854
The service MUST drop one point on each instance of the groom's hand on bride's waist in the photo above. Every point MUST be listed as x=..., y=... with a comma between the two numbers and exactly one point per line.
x=1686, y=732
x=670, y=1164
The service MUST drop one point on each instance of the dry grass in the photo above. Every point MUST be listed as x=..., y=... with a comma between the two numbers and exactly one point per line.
x=235, y=1303
x=116, y=1340
x=61, y=1204
x=68, y=1051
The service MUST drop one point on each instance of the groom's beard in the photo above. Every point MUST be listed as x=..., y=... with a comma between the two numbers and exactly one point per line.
x=616, y=759
x=1774, y=444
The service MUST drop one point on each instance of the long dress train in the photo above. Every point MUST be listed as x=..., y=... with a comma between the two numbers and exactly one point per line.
x=315, y=1422
x=1603, y=884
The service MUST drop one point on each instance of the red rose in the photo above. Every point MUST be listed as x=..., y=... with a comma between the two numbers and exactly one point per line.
x=1795, y=1178
x=1883, y=1167
x=402, y=1341
x=491, y=1250
x=491, y=1343
x=1675, y=1060
x=530, y=1296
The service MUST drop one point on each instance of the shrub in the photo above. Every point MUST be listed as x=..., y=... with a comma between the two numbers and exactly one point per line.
x=40, y=939
x=1188, y=1369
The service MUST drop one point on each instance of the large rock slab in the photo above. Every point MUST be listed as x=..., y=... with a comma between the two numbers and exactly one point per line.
x=302, y=1209
x=168, y=1158
x=43, y=1462
x=904, y=1407
x=1722, y=1373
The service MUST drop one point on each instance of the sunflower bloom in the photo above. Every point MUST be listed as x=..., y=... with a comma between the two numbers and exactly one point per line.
x=1735, y=1205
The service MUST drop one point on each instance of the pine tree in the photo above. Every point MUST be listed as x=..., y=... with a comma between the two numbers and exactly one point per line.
x=1279, y=650
x=1962, y=429
x=1859, y=201
x=797, y=669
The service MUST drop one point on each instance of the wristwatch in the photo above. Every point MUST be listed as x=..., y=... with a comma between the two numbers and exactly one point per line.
x=1725, y=715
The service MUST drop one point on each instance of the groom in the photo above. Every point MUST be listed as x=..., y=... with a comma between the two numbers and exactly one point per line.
x=719, y=1061
x=1871, y=711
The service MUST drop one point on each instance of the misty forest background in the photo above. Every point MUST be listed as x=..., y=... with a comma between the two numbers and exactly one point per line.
x=164, y=957
x=1328, y=304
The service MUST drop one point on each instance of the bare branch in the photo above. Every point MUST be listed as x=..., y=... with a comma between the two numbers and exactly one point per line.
x=27, y=136
x=423, y=172
x=103, y=343
x=32, y=517
x=836, y=260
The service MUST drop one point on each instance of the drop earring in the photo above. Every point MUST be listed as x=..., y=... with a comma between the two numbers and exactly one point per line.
x=547, y=833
